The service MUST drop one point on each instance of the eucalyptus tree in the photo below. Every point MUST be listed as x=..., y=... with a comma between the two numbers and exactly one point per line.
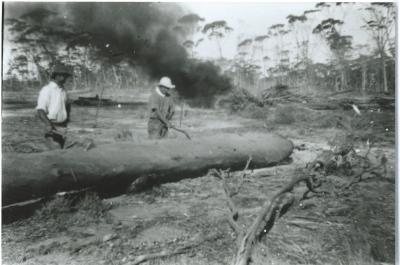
x=296, y=24
x=379, y=21
x=245, y=48
x=217, y=30
x=278, y=32
x=259, y=51
x=189, y=26
x=339, y=45
x=42, y=31
x=191, y=22
x=42, y=35
x=189, y=45
x=301, y=29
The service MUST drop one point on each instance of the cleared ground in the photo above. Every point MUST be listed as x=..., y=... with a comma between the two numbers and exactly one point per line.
x=345, y=226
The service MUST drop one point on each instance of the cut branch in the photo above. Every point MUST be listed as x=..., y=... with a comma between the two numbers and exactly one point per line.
x=234, y=212
x=265, y=216
x=243, y=175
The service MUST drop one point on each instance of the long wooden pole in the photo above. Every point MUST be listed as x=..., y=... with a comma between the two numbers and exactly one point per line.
x=181, y=115
x=98, y=105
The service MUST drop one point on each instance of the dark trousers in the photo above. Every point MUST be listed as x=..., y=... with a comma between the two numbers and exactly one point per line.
x=156, y=129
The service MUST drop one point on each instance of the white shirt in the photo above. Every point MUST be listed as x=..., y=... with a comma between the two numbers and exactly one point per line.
x=52, y=99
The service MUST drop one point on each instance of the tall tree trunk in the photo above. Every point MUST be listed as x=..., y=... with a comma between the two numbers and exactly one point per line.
x=384, y=75
x=364, y=77
x=219, y=47
x=70, y=63
x=374, y=83
x=43, y=76
x=134, y=76
x=116, y=77
x=104, y=77
x=74, y=81
x=344, y=80
x=337, y=83
x=87, y=77
x=12, y=82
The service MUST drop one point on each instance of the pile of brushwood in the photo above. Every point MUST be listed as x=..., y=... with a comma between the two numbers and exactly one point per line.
x=344, y=100
x=282, y=94
x=239, y=99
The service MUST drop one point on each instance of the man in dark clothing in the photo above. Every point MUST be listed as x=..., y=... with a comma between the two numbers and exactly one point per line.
x=161, y=109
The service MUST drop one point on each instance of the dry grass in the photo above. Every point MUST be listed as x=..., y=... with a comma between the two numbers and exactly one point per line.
x=62, y=212
x=253, y=111
x=331, y=246
x=296, y=114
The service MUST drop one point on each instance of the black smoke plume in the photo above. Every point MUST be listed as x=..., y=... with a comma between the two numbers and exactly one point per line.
x=141, y=33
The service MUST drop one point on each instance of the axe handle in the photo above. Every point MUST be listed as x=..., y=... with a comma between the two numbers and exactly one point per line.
x=182, y=131
x=58, y=133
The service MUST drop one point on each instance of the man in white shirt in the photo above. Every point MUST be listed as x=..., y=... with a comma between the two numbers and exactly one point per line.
x=52, y=107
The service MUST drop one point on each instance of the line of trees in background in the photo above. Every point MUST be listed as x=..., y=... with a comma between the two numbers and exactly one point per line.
x=366, y=68
x=37, y=46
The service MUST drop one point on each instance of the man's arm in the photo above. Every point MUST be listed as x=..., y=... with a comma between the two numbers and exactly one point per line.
x=162, y=118
x=42, y=106
x=170, y=115
x=43, y=117
x=68, y=108
x=171, y=111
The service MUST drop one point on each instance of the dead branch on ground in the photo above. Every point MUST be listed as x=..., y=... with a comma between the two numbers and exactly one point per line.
x=229, y=194
x=269, y=212
x=312, y=175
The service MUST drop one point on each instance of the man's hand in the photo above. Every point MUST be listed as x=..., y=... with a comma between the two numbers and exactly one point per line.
x=163, y=119
x=49, y=128
x=168, y=124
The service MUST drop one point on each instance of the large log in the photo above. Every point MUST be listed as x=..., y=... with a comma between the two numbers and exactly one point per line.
x=30, y=176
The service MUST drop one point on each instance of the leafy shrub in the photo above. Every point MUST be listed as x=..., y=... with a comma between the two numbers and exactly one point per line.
x=240, y=99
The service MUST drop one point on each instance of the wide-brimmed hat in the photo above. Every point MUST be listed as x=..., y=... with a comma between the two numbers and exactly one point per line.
x=166, y=82
x=61, y=69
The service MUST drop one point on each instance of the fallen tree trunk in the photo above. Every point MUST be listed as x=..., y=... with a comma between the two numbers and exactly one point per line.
x=30, y=176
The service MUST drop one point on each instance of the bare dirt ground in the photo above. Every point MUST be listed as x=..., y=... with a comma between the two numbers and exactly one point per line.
x=345, y=226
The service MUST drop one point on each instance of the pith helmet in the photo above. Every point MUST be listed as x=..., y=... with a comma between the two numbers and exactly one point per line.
x=166, y=82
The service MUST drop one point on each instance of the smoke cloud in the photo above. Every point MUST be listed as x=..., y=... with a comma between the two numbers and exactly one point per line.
x=141, y=33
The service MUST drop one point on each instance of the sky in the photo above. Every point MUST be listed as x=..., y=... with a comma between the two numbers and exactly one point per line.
x=247, y=20
x=252, y=19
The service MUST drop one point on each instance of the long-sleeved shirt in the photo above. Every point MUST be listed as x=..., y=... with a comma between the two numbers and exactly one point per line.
x=52, y=99
x=163, y=103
